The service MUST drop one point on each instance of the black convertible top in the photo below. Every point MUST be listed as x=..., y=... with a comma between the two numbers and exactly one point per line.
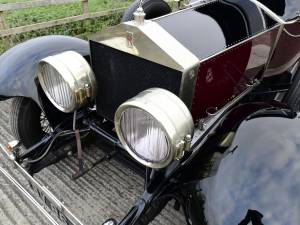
x=286, y=9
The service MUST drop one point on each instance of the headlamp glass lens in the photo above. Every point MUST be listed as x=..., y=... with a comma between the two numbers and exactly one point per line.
x=144, y=135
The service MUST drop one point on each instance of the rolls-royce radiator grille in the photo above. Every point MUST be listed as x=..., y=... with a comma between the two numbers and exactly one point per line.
x=121, y=76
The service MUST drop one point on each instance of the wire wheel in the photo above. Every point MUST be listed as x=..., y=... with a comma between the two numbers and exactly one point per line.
x=45, y=125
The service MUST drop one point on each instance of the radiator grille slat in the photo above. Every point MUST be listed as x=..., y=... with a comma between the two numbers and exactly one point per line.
x=121, y=76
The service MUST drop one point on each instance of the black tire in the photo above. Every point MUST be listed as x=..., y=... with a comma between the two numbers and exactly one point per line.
x=25, y=121
x=293, y=96
x=152, y=8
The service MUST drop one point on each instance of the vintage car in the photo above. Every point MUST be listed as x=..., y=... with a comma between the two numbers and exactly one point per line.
x=204, y=99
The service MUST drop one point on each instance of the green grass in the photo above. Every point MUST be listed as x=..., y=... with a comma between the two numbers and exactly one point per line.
x=80, y=29
x=42, y=14
x=12, y=1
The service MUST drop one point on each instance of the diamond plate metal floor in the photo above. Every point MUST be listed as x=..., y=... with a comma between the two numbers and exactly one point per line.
x=107, y=191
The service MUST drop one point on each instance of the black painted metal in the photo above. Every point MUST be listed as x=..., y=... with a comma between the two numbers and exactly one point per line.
x=18, y=65
x=202, y=183
x=121, y=76
x=206, y=181
x=105, y=134
x=35, y=148
x=205, y=31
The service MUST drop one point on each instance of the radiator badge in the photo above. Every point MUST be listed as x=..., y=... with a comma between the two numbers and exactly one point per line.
x=123, y=43
x=129, y=38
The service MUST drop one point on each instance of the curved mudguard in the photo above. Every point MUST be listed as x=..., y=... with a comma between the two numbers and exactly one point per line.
x=248, y=171
x=18, y=64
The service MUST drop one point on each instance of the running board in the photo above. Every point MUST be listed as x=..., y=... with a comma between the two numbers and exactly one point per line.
x=42, y=194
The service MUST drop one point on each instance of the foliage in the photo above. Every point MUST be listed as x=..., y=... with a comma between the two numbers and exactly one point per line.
x=81, y=29
x=41, y=14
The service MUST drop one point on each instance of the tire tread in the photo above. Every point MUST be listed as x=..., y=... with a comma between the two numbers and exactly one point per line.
x=14, y=116
x=24, y=121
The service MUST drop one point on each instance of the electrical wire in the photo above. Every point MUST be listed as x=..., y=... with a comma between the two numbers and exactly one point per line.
x=60, y=134
x=48, y=148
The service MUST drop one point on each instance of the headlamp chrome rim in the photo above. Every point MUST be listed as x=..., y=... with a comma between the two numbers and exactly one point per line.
x=133, y=153
x=77, y=74
x=164, y=124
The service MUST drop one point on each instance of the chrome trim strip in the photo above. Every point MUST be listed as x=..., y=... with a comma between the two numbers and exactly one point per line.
x=188, y=83
x=29, y=196
x=272, y=14
x=66, y=212
x=268, y=11
x=281, y=28
x=263, y=17
x=297, y=20
x=290, y=34
x=200, y=2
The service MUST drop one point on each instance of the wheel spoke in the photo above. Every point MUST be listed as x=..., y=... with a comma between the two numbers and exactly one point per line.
x=45, y=125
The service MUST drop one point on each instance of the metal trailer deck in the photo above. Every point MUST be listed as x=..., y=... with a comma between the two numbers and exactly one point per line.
x=107, y=191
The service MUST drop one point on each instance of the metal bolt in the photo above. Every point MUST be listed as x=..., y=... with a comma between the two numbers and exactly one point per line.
x=68, y=149
x=109, y=223
x=88, y=90
x=188, y=142
x=202, y=124
x=180, y=150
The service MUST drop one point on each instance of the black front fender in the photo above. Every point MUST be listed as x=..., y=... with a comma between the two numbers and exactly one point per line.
x=18, y=64
x=248, y=171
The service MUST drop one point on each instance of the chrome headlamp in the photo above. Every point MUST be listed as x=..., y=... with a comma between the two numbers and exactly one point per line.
x=67, y=80
x=154, y=127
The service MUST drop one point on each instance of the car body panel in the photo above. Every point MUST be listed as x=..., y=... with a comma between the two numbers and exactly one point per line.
x=244, y=154
x=248, y=170
x=231, y=72
x=18, y=64
x=287, y=50
x=232, y=52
